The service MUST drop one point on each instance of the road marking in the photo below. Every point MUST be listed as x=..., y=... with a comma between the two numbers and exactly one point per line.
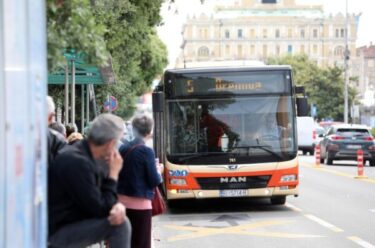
x=361, y=242
x=197, y=231
x=323, y=223
x=372, y=210
x=343, y=174
x=294, y=208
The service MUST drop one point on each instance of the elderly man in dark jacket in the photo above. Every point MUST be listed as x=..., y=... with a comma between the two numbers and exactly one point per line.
x=83, y=207
x=55, y=140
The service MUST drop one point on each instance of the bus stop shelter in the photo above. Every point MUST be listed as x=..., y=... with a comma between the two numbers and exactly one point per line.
x=78, y=72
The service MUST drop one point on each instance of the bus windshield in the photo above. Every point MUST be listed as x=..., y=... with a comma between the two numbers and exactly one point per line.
x=256, y=128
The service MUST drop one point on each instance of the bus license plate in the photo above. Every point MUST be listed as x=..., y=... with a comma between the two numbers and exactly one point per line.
x=353, y=146
x=233, y=193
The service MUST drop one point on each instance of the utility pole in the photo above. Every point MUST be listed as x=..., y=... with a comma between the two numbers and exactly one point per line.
x=220, y=25
x=346, y=74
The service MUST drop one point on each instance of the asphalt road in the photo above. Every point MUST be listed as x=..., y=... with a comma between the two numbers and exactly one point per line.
x=333, y=210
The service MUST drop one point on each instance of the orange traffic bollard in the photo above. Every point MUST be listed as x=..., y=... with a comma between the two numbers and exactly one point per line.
x=317, y=155
x=360, y=169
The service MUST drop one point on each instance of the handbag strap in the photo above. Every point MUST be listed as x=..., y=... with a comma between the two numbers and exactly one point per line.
x=131, y=149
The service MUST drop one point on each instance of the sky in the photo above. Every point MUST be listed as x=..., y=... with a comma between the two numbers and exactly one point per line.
x=174, y=15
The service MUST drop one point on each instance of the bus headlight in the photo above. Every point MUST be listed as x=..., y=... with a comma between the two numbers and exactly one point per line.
x=288, y=178
x=177, y=181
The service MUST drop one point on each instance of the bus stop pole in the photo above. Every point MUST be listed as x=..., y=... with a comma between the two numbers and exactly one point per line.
x=73, y=92
x=66, y=104
x=82, y=107
x=87, y=104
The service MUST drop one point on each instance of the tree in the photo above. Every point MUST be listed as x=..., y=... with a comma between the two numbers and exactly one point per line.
x=323, y=86
x=125, y=30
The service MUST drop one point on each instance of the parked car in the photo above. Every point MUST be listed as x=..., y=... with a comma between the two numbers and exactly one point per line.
x=306, y=134
x=341, y=142
x=327, y=124
x=319, y=131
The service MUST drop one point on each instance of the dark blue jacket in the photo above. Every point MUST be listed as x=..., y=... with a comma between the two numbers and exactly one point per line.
x=138, y=176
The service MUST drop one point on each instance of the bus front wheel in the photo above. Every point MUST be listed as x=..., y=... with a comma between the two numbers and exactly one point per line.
x=278, y=200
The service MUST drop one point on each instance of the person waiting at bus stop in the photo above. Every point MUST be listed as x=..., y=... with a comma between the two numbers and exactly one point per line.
x=137, y=181
x=83, y=207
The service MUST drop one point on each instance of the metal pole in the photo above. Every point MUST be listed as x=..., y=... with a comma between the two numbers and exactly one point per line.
x=82, y=107
x=87, y=104
x=109, y=104
x=220, y=25
x=66, y=105
x=93, y=100
x=73, y=110
x=346, y=57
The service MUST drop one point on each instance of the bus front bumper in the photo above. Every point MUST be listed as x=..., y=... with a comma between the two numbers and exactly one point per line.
x=201, y=194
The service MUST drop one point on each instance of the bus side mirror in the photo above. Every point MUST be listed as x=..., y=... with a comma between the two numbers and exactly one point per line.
x=302, y=106
x=158, y=102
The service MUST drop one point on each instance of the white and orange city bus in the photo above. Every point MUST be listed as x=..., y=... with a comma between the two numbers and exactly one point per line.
x=228, y=132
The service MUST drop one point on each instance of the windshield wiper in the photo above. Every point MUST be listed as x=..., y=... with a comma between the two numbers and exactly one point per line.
x=262, y=147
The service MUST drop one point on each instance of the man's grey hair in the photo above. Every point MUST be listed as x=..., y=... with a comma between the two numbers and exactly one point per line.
x=50, y=105
x=105, y=128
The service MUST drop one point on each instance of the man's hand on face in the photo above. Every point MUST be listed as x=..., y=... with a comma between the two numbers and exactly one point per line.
x=115, y=164
x=117, y=214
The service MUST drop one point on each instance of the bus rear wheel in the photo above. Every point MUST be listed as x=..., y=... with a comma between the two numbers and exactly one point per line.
x=278, y=200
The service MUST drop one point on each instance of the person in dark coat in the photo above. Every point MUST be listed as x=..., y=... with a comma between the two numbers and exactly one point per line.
x=55, y=140
x=83, y=208
x=137, y=181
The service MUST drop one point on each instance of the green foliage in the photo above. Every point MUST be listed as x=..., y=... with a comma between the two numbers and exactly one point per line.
x=373, y=132
x=71, y=25
x=324, y=86
x=123, y=29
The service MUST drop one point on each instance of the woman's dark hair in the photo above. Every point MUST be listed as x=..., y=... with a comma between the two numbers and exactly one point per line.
x=143, y=125
x=71, y=128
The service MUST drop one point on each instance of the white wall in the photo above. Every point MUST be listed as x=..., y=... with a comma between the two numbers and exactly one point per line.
x=23, y=80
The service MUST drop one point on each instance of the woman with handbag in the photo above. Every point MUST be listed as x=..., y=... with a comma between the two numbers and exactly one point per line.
x=137, y=181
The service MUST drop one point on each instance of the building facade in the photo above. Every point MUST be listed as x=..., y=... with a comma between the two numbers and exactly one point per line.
x=364, y=70
x=258, y=29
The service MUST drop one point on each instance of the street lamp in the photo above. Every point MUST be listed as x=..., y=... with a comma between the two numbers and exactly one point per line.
x=220, y=25
x=346, y=58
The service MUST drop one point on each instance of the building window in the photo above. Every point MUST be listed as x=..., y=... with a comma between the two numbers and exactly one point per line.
x=264, y=51
x=315, y=49
x=290, y=33
x=277, y=50
x=252, y=49
x=302, y=48
x=370, y=63
x=339, y=51
x=302, y=33
x=239, y=51
x=239, y=33
x=264, y=33
x=227, y=34
x=252, y=33
x=342, y=33
x=227, y=50
x=315, y=33
x=277, y=33
x=269, y=1
x=337, y=33
x=206, y=34
x=290, y=49
x=203, y=51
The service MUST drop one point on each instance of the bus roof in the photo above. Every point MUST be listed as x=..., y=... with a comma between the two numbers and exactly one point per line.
x=230, y=69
